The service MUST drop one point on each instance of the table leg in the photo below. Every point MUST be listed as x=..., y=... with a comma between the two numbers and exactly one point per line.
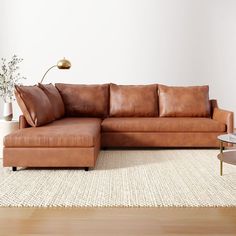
x=221, y=162
x=221, y=168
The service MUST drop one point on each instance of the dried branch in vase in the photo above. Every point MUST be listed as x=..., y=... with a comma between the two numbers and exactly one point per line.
x=9, y=77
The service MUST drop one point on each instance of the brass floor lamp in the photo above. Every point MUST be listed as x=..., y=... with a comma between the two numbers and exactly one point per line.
x=63, y=64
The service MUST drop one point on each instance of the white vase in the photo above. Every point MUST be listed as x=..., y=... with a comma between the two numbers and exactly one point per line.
x=7, y=111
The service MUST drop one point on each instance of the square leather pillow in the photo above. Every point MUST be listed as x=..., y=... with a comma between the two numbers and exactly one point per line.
x=84, y=100
x=34, y=105
x=55, y=98
x=133, y=100
x=190, y=101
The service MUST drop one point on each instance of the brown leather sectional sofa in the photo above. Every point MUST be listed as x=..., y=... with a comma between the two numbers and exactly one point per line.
x=66, y=125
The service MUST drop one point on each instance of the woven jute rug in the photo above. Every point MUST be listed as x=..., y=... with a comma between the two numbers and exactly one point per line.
x=126, y=178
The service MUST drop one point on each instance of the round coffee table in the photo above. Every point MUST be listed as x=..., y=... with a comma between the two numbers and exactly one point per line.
x=228, y=156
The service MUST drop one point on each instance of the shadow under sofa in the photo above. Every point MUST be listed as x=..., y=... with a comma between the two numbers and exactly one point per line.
x=76, y=141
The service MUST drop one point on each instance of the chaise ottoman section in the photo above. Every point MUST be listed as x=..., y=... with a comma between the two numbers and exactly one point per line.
x=68, y=142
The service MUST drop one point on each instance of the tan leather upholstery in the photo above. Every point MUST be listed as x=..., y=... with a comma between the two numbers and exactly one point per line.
x=184, y=101
x=165, y=124
x=225, y=117
x=23, y=122
x=52, y=157
x=84, y=100
x=133, y=100
x=55, y=99
x=34, y=104
x=160, y=139
x=213, y=105
x=67, y=132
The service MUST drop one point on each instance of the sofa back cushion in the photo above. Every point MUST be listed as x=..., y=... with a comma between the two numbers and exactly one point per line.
x=55, y=98
x=184, y=101
x=84, y=100
x=34, y=105
x=133, y=100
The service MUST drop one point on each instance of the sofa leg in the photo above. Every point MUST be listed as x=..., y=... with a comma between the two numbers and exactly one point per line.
x=86, y=168
x=14, y=168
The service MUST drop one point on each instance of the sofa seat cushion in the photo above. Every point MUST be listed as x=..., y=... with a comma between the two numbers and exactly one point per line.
x=67, y=132
x=157, y=124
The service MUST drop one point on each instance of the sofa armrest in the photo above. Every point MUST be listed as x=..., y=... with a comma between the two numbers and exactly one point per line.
x=226, y=117
x=23, y=122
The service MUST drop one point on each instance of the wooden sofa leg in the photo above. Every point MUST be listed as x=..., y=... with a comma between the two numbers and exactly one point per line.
x=86, y=168
x=14, y=168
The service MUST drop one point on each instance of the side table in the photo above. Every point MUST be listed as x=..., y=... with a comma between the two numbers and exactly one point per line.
x=6, y=127
x=228, y=156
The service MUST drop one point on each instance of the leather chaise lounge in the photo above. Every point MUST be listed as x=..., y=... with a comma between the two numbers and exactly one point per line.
x=66, y=142
x=66, y=125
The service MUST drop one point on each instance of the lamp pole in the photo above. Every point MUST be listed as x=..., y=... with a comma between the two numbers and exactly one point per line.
x=47, y=72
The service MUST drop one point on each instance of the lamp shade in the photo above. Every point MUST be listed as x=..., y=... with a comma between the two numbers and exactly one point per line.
x=63, y=64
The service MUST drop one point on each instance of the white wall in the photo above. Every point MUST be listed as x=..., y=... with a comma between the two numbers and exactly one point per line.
x=174, y=42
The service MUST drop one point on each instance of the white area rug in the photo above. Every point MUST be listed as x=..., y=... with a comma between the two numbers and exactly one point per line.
x=129, y=178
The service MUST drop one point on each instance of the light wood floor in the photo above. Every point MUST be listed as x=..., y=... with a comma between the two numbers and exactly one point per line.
x=118, y=221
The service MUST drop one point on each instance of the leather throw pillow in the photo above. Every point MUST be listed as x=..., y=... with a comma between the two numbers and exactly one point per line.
x=84, y=100
x=55, y=98
x=133, y=100
x=34, y=105
x=190, y=101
